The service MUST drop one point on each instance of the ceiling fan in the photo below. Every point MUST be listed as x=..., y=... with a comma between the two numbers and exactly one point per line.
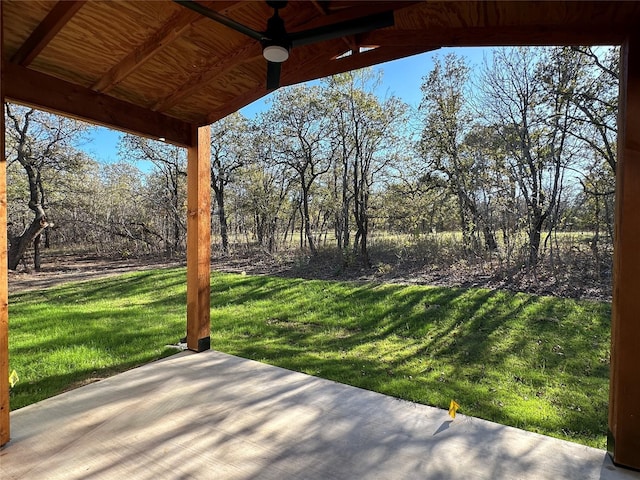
x=277, y=43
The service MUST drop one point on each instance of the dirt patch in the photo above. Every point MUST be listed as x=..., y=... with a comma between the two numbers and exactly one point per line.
x=59, y=269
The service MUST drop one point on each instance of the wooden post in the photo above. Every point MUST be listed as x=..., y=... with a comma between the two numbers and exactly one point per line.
x=4, y=289
x=624, y=393
x=199, y=240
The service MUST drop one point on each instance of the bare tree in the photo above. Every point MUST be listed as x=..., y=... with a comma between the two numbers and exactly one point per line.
x=596, y=97
x=299, y=122
x=533, y=120
x=41, y=143
x=230, y=152
x=169, y=176
x=265, y=188
x=450, y=145
x=368, y=142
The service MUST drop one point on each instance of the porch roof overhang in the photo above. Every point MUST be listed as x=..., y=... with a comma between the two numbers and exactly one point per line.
x=156, y=68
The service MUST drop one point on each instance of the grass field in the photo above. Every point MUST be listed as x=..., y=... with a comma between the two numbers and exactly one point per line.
x=538, y=363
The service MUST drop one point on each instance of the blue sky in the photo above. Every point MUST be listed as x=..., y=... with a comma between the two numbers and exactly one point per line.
x=401, y=78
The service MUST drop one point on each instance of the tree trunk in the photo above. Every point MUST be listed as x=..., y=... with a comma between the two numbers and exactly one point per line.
x=259, y=228
x=19, y=245
x=364, y=241
x=489, y=239
x=222, y=218
x=464, y=224
x=307, y=222
x=362, y=226
x=534, y=240
x=37, y=261
x=176, y=209
x=345, y=207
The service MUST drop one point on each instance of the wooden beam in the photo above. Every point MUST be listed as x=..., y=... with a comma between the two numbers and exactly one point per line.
x=57, y=18
x=357, y=10
x=624, y=390
x=368, y=58
x=29, y=87
x=170, y=31
x=199, y=240
x=323, y=11
x=489, y=36
x=4, y=288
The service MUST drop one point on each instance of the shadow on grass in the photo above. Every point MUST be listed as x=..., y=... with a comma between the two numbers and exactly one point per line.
x=538, y=363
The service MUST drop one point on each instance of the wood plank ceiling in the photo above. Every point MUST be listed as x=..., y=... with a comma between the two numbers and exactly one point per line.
x=169, y=65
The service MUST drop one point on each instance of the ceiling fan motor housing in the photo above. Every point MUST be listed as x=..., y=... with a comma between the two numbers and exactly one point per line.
x=276, y=45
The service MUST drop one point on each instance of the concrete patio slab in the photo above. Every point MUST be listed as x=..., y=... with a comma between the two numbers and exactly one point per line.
x=215, y=416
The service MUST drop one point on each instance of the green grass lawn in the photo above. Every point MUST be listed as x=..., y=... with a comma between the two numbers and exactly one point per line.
x=538, y=363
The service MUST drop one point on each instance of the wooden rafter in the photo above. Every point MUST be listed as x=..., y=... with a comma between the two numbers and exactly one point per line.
x=249, y=51
x=172, y=29
x=43, y=91
x=57, y=18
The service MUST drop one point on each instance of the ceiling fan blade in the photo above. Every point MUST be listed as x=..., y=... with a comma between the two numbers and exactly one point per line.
x=207, y=12
x=342, y=29
x=273, y=75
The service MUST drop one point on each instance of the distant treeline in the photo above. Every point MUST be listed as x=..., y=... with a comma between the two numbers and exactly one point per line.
x=509, y=155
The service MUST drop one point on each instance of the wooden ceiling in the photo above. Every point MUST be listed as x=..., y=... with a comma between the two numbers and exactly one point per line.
x=157, y=68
